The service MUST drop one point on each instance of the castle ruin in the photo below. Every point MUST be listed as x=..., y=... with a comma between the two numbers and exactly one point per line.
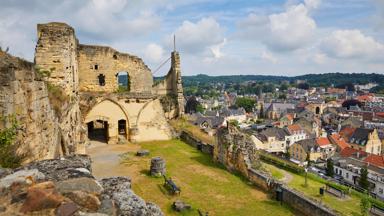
x=88, y=99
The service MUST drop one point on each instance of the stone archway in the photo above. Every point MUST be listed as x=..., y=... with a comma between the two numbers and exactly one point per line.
x=109, y=120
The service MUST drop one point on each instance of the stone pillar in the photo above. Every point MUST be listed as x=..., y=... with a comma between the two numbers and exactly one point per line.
x=177, y=85
x=157, y=166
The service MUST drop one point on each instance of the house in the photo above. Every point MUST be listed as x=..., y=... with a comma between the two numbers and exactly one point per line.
x=273, y=140
x=296, y=133
x=352, y=121
x=238, y=115
x=350, y=170
x=326, y=147
x=302, y=150
x=366, y=140
x=276, y=110
x=310, y=125
x=286, y=120
x=338, y=141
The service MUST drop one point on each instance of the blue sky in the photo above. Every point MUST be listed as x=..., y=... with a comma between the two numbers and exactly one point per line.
x=216, y=37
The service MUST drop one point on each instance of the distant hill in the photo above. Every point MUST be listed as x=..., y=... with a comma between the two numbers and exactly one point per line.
x=314, y=79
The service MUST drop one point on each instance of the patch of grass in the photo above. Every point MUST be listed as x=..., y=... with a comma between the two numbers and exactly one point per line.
x=183, y=124
x=204, y=184
x=347, y=206
x=275, y=172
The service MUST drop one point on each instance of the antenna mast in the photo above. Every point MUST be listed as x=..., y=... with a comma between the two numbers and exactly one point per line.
x=174, y=43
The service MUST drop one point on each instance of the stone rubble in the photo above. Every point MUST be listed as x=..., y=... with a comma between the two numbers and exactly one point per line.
x=50, y=187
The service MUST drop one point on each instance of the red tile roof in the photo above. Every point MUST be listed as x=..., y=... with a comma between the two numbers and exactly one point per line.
x=348, y=152
x=294, y=127
x=364, y=98
x=339, y=141
x=347, y=132
x=375, y=160
x=322, y=141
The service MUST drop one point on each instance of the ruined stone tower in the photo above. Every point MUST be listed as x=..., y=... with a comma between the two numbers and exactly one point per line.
x=177, y=83
x=73, y=90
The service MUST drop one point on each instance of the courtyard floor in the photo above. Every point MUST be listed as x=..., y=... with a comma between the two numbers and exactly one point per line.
x=204, y=184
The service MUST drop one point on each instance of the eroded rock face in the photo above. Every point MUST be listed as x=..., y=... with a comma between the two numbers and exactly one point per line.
x=50, y=187
x=235, y=150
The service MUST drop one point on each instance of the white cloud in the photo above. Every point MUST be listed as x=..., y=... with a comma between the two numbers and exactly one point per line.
x=154, y=53
x=199, y=37
x=216, y=49
x=291, y=30
x=287, y=31
x=352, y=44
x=265, y=55
x=312, y=4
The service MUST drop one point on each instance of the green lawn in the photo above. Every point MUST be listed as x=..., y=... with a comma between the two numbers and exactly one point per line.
x=204, y=184
x=348, y=206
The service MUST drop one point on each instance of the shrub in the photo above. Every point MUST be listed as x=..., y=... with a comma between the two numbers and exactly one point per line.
x=57, y=97
x=8, y=158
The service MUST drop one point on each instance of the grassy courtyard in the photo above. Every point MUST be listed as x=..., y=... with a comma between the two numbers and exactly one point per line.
x=204, y=185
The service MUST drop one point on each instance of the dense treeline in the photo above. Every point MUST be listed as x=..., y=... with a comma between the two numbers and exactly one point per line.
x=244, y=84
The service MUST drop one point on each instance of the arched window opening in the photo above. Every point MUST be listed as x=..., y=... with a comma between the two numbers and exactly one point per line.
x=101, y=78
x=123, y=81
x=317, y=110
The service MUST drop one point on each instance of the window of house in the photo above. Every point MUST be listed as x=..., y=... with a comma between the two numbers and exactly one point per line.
x=380, y=190
x=96, y=67
x=347, y=175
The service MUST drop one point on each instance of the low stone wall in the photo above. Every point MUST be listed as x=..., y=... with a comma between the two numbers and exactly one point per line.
x=191, y=140
x=303, y=204
x=262, y=180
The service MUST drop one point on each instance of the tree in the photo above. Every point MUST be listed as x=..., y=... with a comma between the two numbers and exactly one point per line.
x=330, y=171
x=308, y=159
x=304, y=86
x=365, y=205
x=246, y=103
x=192, y=105
x=200, y=108
x=363, y=181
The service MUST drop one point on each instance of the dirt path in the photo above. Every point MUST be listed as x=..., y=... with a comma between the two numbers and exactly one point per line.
x=287, y=176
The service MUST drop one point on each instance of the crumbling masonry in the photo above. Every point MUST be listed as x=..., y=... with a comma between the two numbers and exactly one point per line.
x=85, y=96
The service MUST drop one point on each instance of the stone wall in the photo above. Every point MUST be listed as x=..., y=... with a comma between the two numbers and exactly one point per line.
x=198, y=144
x=96, y=60
x=303, y=204
x=24, y=94
x=56, y=52
x=236, y=153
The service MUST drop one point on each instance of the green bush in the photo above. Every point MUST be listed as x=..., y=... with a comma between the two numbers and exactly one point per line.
x=8, y=157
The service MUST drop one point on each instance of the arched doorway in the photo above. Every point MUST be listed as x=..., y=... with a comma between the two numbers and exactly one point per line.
x=107, y=122
x=98, y=130
x=123, y=81
x=317, y=110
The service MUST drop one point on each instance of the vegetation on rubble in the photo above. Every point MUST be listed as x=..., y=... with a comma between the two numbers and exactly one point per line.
x=8, y=133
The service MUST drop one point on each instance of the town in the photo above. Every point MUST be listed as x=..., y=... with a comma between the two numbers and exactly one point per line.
x=209, y=108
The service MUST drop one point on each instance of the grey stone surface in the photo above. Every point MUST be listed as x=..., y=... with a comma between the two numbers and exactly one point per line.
x=142, y=152
x=180, y=206
x=83, y=184
x=66, y=168
x=127, y=202
x=4, y=172
x=20, y=177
